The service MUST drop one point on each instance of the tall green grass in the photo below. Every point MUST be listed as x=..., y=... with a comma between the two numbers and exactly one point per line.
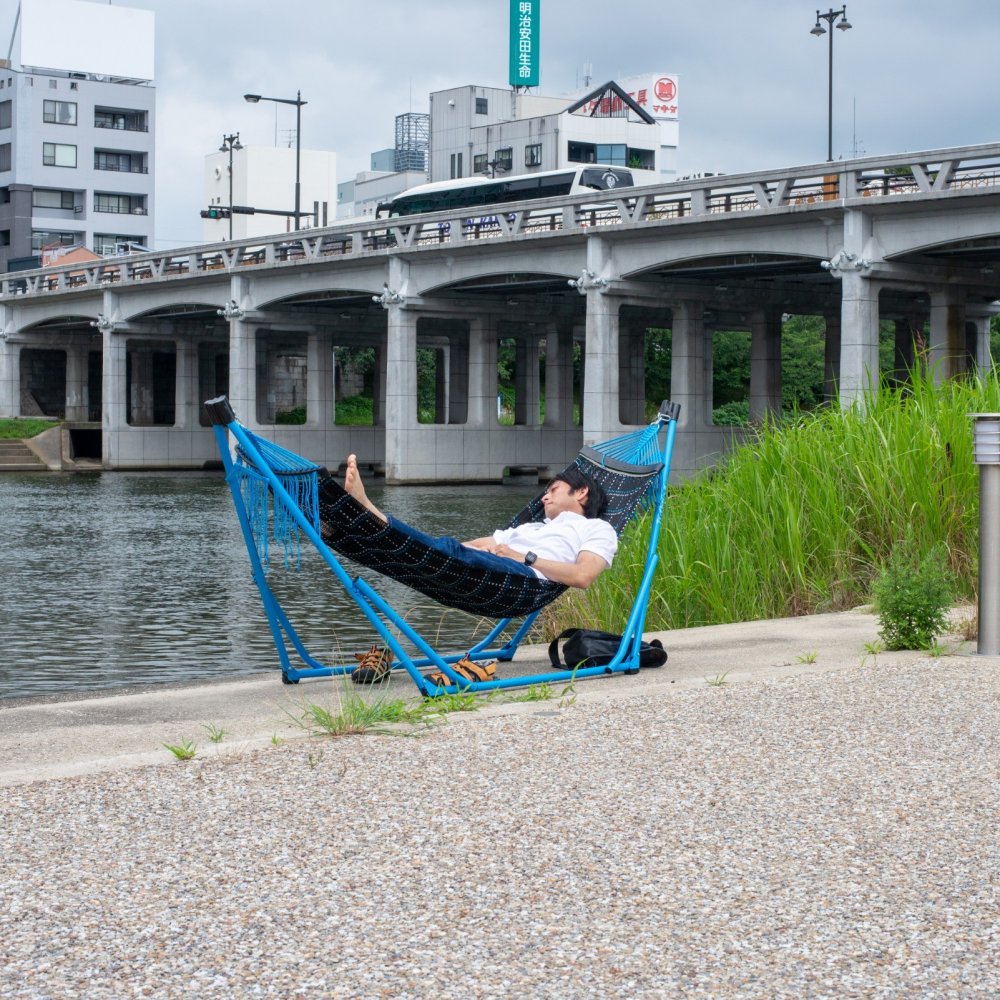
x=802, y=518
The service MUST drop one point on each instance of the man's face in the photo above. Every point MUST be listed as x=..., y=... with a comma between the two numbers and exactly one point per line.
x=558, y=497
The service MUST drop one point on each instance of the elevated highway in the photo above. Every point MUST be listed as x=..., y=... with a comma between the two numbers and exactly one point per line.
x=131, y=345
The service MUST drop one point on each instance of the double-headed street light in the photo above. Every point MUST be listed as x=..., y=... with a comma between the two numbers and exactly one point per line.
x=831, y=18
x=229, y=143
x=298, y=102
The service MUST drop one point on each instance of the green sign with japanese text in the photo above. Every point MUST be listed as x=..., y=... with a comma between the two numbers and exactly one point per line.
x=524, y=34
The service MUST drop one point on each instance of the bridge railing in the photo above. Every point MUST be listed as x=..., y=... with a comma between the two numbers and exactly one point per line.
x=929, y=174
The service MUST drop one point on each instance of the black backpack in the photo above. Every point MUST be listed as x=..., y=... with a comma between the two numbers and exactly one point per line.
x=590, y=648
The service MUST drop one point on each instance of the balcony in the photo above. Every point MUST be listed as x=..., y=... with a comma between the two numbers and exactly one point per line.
x=133, y=168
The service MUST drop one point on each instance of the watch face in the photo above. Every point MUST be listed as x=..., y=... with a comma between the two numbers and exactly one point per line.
x=529, y=559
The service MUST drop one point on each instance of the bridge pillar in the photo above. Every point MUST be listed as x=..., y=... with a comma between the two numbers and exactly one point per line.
x=688, y=376
x=407, y=449
x=482, y=373
x=319, y=379
x=114, y=404
x=242, y=353
x=458, y=382
x=859, y=336
x=632, y=372
x=948, y=356
x=558, y=375
x=765, y=363
x=187, y=410
x=9, y=373
x=831, y=356
x=981, y=325
x=76, y=382
x=527, y=388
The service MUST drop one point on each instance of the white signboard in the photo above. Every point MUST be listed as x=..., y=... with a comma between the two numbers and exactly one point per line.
x=82, y=37
x=655, y=93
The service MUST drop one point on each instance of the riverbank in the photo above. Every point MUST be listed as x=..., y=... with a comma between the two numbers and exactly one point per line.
x=821, y=824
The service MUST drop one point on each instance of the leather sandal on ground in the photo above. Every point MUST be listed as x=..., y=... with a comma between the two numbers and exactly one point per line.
x=373, y=666
x=466, y=668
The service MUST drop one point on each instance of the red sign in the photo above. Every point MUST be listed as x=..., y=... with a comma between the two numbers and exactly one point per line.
x=665, y=89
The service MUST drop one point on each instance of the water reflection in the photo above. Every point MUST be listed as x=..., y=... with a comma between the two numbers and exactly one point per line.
x=137, y=578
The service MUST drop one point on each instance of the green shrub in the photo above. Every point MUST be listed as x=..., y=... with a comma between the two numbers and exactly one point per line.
x=355, y=410
x=912, y=595
x=296, y=416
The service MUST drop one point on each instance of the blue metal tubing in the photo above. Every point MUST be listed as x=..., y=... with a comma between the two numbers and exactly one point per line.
x=372, y=605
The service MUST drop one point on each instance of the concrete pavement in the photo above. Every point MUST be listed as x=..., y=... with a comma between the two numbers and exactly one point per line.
x=42, y=739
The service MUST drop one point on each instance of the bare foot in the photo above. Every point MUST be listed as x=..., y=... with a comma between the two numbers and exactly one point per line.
x=356, y=488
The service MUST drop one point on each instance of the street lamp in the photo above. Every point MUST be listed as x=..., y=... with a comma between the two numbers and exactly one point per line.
x=298, y=102
x=229, y=143
x=818, y=30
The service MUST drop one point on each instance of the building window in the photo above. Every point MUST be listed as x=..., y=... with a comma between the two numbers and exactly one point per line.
x=4, y=237
x=612, y=154
x=581, y=152
x=456, y=165
x=49, y=198
x=4, y=156
x=46, y=238
x=533, y=155
x=58, y=154
x=504, y=158
x=129, y=163
x=641, y=159
x=119, y=204
x=5, y=113
x=59, y=112
x=479, y=164
x=482, y=106
x=109, y=244
x=129, y=121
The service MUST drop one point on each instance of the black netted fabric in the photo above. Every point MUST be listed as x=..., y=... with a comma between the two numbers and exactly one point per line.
x=353, y=531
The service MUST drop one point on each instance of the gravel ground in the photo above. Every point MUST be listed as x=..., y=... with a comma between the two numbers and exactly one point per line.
x=827, y=835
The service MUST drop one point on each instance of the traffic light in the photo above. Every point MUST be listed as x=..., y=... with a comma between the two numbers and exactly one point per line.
x=219, y=212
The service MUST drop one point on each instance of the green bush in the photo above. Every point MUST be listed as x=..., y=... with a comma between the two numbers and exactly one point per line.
x=296, y=416
x=355, y=410
x=912, y=595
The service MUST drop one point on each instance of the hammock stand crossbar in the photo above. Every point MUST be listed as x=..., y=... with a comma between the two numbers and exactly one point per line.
x=262, y=476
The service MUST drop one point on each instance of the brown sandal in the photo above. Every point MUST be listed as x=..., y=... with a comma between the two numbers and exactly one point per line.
x=374, y=666
x=465, y=667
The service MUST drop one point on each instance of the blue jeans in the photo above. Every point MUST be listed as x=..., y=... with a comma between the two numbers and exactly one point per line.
x=449, y=546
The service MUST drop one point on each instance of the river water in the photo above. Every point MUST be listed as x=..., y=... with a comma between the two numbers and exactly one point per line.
x=120, y=579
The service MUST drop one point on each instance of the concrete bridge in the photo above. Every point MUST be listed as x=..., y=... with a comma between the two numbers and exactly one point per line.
x=126, y=349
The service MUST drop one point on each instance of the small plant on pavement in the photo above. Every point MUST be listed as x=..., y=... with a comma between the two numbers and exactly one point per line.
x=912, y=596
x=215, y=733
x=185, y=750
x=809, y=657
x=719, y=680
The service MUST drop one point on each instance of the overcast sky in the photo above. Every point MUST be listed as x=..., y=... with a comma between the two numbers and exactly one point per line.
x=910, y=75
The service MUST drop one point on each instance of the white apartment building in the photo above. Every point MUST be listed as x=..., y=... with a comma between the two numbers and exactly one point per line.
x=489, y=130
x=263, y=178
x=77, y=129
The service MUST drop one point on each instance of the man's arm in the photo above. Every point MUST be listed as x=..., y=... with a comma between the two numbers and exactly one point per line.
x=486, y=543
x=580, y=574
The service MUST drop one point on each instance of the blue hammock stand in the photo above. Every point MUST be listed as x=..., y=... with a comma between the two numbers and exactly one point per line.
x=282, y=497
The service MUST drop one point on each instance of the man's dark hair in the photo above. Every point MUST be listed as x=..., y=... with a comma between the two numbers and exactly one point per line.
x=575, y=479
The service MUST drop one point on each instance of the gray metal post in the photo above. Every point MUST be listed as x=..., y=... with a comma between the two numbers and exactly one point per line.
x=986, y=450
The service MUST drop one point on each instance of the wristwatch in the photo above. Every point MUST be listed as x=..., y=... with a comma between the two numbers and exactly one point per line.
x=529, y=558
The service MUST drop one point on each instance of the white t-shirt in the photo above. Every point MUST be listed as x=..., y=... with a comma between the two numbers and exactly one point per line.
x=562, y=539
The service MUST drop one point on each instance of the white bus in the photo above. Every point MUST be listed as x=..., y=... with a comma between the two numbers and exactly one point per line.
x=472, y=192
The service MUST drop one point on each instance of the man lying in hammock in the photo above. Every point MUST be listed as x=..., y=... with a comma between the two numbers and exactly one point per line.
x=572, y=546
